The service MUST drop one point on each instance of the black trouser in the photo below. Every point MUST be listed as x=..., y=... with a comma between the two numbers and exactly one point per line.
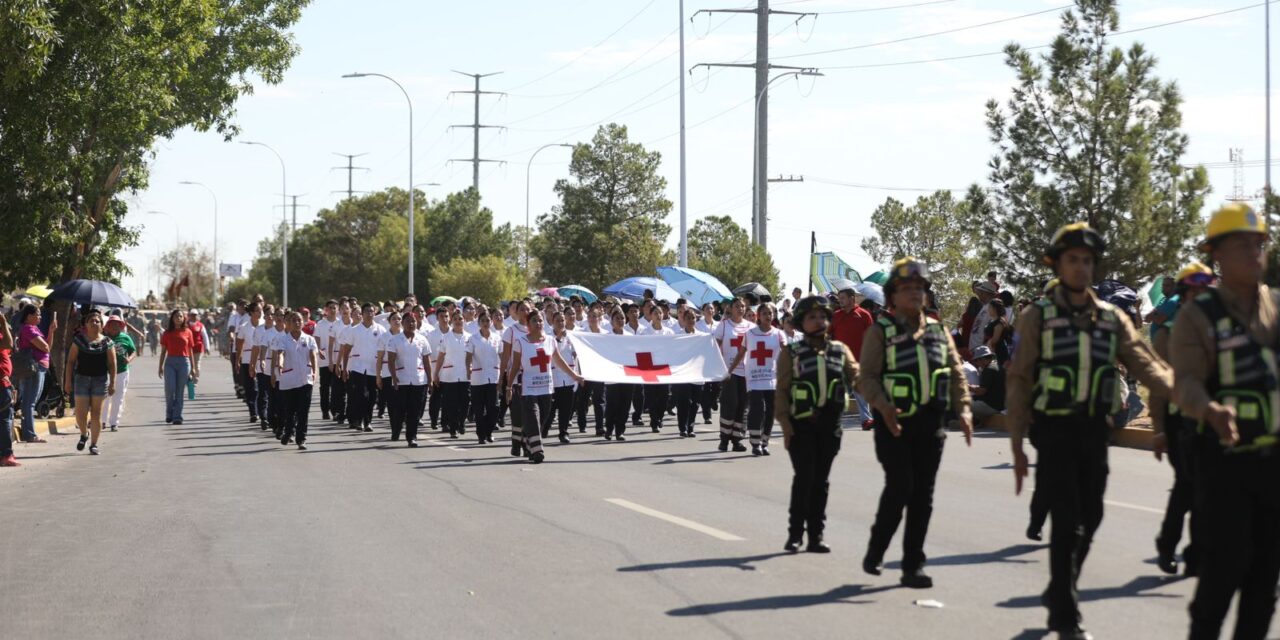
x=1181, y=495
x=656, y=397
x=910, y=462
x=686, y=397
x=326, y=384
x=617, y=401
x=297, y=407
x=395, y=406
x=362, y=393
x=434, y=404
x=517, y=420
x=250, y=390
x=1239, y=547
x=382, y=395
x=1039, y=509
x=502, y=401
x=814, y=446
x=409, y=399
x=733, y=408
x=1071, y=472
x=536, y=418
x=760, y=416
x=592, y=394
x=275, y=404
x=265, y=396
x=455, y=405
x=563, y=400
x=337, y=398
x=709, y=399
x=484, y=399
x=637, y=402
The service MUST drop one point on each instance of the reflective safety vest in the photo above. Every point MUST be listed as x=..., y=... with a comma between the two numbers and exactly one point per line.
x=1173, y=412
x=817, y=380
x=1076, y=373
x=916, y=372
x=1246, y=379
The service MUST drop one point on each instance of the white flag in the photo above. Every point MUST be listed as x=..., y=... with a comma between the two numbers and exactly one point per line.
x=607, y=357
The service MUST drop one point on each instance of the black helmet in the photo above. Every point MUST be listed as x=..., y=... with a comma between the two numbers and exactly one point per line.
x=903, y=270
x=1072, y=236
x=809, y=303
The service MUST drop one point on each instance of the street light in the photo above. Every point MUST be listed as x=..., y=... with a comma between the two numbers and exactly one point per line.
x=284, y=212
x=528, y=234
x=410, y=101
x=756, y=223
x=217, y=269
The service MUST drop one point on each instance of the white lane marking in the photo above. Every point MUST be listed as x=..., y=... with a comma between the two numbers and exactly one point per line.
x=1135, y=507
x=688, y=524
x=457, y=448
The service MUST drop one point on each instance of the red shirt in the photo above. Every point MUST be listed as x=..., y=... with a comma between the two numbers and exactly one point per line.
x=309, y=328
x=178, y=343
x=6, y=367
x=849, y=327
x=197, y=333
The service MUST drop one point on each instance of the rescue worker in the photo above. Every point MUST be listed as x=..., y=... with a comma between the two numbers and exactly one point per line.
x=1172, y=435
x=911, y=376
x=815, y=376
x=1224, y=356
x=1063, y=383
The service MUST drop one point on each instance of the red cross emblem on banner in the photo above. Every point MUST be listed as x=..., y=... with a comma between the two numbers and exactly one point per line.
x=645, y=369
x=761, y=354
x=540, y=361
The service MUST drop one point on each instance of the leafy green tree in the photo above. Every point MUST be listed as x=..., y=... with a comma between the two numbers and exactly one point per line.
x=456, y=227
x=1090, y=133
x=489, y=279
x=718, y=246
x=88, y=87
x=610, y=221
x=938, y=230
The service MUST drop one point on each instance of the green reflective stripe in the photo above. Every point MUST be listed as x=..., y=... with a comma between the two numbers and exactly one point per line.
x=923, y=365
x=1226, y=358
x=1084, y=372
x=1273, y=395
x=822, y=380
x=1046, y=335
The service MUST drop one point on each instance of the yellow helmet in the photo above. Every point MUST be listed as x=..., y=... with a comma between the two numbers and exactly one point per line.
x=1048, y=286
x=1195, y=274
x=1071, y=236
x=1235, y=217
x=906, y=269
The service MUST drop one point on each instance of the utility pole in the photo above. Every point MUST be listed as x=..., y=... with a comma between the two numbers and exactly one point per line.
x=760, y=197
x=813, y=248
x=350, y=169
x=1237, y=167
x=293, y=208
x=475, y=159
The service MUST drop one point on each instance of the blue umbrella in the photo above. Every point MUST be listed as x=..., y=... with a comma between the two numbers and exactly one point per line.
x=695, y=286
x=578, y=290
x=633, y=289
x=92, y=292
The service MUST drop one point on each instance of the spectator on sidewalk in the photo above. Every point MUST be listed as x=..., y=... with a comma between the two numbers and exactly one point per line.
x=126, y=351
x=986, y=291
x=91, y=365
x=176, y=348
x=32, y=343
x=848, y=325
x=153, y=335
x=988, y=394
x=6, y=398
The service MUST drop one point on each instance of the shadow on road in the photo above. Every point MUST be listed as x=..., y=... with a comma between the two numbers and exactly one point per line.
x=839, y=595
x=1135, y=588
x=1007, y=554
x=745, y=563
x=1032, y=634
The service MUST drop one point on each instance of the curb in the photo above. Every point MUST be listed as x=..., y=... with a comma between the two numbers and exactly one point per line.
x=47, y=427
x=1128, y=437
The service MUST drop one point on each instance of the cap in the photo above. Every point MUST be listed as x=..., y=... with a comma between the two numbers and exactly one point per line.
x=983, y=351
x=986, y=286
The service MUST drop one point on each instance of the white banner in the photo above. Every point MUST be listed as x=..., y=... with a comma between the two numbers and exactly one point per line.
x=606, y=357
x=226, y=270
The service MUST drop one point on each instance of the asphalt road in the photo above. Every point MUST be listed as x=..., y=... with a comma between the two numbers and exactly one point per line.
x=213, y=530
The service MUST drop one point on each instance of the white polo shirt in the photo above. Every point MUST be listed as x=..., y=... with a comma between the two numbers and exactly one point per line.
x=246, y=332
x=648, y=330
x=364, y=348
x=323, y=329
x=384, y=342
x=486, y=354
x=262, y=336
x=409, y=356
x=453, y=348
x=296, y=371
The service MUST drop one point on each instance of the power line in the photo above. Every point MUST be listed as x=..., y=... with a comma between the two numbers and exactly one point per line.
x=884, y=8
x=588, y=50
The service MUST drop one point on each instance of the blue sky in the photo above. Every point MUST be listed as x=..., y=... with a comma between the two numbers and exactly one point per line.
x=569, y=65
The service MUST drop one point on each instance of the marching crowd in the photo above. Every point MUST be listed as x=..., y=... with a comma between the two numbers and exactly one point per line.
x=1056, y=372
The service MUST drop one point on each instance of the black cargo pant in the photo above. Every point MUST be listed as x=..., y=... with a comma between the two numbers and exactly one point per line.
x=296, y=404
x=326, y=382
x=813, y=449
x=910, y=462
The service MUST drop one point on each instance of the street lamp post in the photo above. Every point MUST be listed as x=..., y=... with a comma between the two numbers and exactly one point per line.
x=757, y=225
x=284, y=212
x=411, y=212
x=217, y=269
x=528, y=233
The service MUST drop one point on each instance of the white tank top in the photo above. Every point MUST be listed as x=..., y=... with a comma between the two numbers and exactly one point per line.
x=762, y=358
x=729, y=335
x=536, y=378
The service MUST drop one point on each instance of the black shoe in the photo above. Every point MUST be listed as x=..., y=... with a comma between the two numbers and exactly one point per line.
x=739, y=447
x=655, y=429
x=564, y=439
x=622, y=438
x=463, y=431
x=324, y=416
x=871, y=565
x=453, y=436
x=93, y=449
x=793, y=542
x=284, y=441
x=608, y=436
x=724, y=444
x=816, y=545
x=764, y=451
x=536, y=458
x=1034, y=533
x=80, y=445
x=265, y=426
x=706, y=421
x=916, y=579
x=368, y=429
x=582, y=429
x=168, y=421
x=755, y=450
x=253, y=419
x=1167, y=561
x=599, y=433
x=515, y=449
x=1075, y=633
x=489, y=439
x=302, y=447
x=177, y=422
x=412, y=444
